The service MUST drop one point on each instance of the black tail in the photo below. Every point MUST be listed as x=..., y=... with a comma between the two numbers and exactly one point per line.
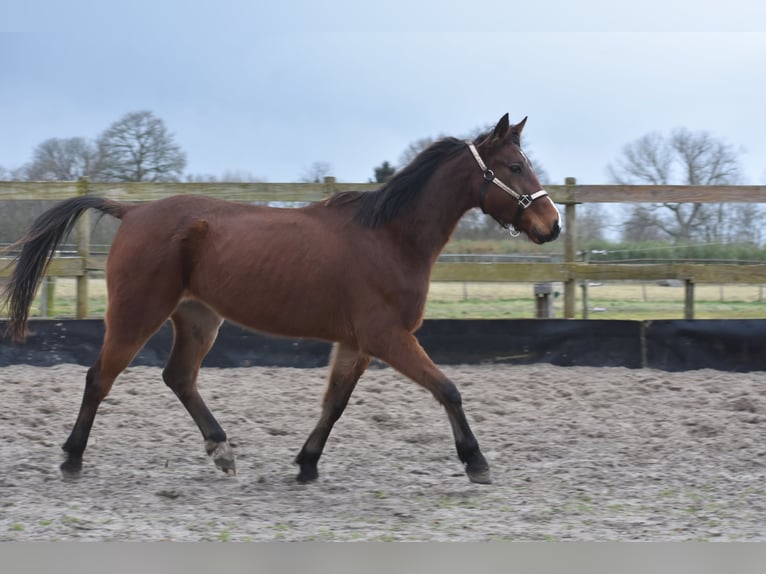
x=37, y=249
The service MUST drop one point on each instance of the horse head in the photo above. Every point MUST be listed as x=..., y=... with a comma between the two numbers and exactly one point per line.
x=511, y=192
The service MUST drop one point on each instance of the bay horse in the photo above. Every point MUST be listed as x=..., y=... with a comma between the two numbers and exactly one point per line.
x=353, y=270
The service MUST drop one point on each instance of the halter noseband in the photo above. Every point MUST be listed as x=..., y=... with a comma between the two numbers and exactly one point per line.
x=489, y=177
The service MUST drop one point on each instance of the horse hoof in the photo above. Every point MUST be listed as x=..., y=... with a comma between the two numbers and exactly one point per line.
x=226, y=466
x=71, y=468
x=222, y=456
x=307, y=475
x=480, y=476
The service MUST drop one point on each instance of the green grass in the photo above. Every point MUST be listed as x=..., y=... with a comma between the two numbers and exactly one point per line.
x=630, y=301
x=458, y=300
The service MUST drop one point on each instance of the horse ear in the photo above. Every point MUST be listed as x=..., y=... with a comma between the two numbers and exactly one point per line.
x=517, y=129
x=502, y=128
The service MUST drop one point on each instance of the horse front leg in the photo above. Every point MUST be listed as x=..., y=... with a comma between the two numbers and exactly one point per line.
x=346, y=366
x=403, y=352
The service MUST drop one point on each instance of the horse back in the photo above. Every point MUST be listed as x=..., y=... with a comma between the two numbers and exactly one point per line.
x=305, y=272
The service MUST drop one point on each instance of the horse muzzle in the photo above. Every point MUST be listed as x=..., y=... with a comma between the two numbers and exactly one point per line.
x=540, y=236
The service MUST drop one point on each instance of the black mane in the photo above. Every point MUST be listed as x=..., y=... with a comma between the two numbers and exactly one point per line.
x=376, y=208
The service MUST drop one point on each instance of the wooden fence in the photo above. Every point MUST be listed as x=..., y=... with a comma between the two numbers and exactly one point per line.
x=570, y=272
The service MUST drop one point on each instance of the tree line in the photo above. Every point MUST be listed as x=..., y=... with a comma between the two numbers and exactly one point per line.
x=139, y=147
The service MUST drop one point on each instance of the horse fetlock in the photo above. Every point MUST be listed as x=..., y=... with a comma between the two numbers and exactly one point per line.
x=308, y=473
x=222, y=455
x=307, y=460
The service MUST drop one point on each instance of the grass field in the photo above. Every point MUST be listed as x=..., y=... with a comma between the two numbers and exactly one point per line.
x=458, y=300
x=617, y=300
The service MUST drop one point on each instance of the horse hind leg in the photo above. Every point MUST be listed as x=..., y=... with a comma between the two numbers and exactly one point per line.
x=143, y=291
x=346, y=366
x=117, y=351
x=195, y=327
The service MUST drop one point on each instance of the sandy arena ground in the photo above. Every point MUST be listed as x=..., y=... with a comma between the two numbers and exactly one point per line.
x=576, y=453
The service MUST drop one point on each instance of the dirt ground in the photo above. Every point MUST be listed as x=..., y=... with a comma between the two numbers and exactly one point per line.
x=576, y=453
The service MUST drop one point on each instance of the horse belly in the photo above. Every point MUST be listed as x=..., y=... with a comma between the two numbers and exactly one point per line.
x=289, y=298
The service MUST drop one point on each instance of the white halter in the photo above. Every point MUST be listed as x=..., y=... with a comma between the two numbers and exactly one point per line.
x=489, y=176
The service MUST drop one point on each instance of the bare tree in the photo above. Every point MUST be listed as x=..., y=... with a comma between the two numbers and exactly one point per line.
x=685, y=158
x=138, y=147
x=240, y=176
x=641, y=225
x=228, y=176
x=17, y=173
x=413, y=149
x=201, y=178
x=61, y=160
x=316, y=172
x=592, y=223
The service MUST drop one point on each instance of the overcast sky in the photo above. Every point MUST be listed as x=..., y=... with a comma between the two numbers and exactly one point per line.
x=268, y=88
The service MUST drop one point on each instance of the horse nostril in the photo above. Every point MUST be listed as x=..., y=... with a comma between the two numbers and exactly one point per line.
x=555, y=230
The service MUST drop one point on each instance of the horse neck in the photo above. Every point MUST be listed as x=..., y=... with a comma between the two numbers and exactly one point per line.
x=447, y=195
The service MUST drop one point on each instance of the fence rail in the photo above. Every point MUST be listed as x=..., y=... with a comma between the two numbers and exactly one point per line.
x=569, y=272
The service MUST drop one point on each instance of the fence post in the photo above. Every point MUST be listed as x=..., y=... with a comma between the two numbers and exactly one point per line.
x=689, y=299
x=570, y=250
x=585, y=302
x=47, y=296
x=44, y=298
x=50, y=295
x=83, y=251
x=543, y=300
x=584, y=286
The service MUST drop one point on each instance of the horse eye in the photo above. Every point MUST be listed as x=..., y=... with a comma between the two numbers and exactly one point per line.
x=515, y=167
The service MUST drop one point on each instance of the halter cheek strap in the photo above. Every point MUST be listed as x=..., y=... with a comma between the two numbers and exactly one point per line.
x=489, y=177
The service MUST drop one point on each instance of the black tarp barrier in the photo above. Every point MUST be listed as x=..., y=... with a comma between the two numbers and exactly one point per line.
x=525, y=341
x=722, y=344
x=674, y=345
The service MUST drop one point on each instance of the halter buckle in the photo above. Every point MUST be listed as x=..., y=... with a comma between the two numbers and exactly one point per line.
x=489, y=175
x=525, y=201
